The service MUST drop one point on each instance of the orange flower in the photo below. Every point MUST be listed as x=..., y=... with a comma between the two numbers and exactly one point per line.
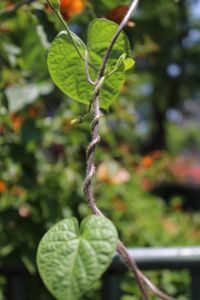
x=17, y=121
x=2, y=186
x=147, y=161
x=69, y=8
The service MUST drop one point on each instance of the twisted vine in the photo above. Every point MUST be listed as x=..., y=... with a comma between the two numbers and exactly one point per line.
x=90, y=171
x=142, y=281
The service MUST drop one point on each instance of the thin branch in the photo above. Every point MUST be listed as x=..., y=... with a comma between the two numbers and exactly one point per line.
x=121, y=249
x=153, y=288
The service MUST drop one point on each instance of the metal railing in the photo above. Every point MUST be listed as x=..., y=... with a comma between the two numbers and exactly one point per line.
x=146, y=259
x=153, y=259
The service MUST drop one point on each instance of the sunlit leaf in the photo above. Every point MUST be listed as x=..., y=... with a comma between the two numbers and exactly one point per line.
x=67, y=68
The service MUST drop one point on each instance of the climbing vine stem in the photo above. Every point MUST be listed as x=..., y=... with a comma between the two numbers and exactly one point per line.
x=142, y=281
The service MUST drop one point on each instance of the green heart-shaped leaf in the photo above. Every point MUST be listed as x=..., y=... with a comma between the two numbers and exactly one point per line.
x=67, y=68
x=70, y=260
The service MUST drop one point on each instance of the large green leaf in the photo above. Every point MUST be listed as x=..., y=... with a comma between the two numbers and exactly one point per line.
x=67, y=68
x=70, y=260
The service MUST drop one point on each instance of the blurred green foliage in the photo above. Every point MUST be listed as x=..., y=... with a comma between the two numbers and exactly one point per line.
x=42, y=157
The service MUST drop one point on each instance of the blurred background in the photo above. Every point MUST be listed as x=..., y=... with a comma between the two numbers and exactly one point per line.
x=148, y=161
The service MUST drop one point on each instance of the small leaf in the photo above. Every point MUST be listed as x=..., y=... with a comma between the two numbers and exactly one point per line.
x=71, y=260
x=128, y=63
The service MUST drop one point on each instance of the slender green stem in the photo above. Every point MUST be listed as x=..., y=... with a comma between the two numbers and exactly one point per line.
x=87, y=72
x=85, y=58
x=60, y=17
